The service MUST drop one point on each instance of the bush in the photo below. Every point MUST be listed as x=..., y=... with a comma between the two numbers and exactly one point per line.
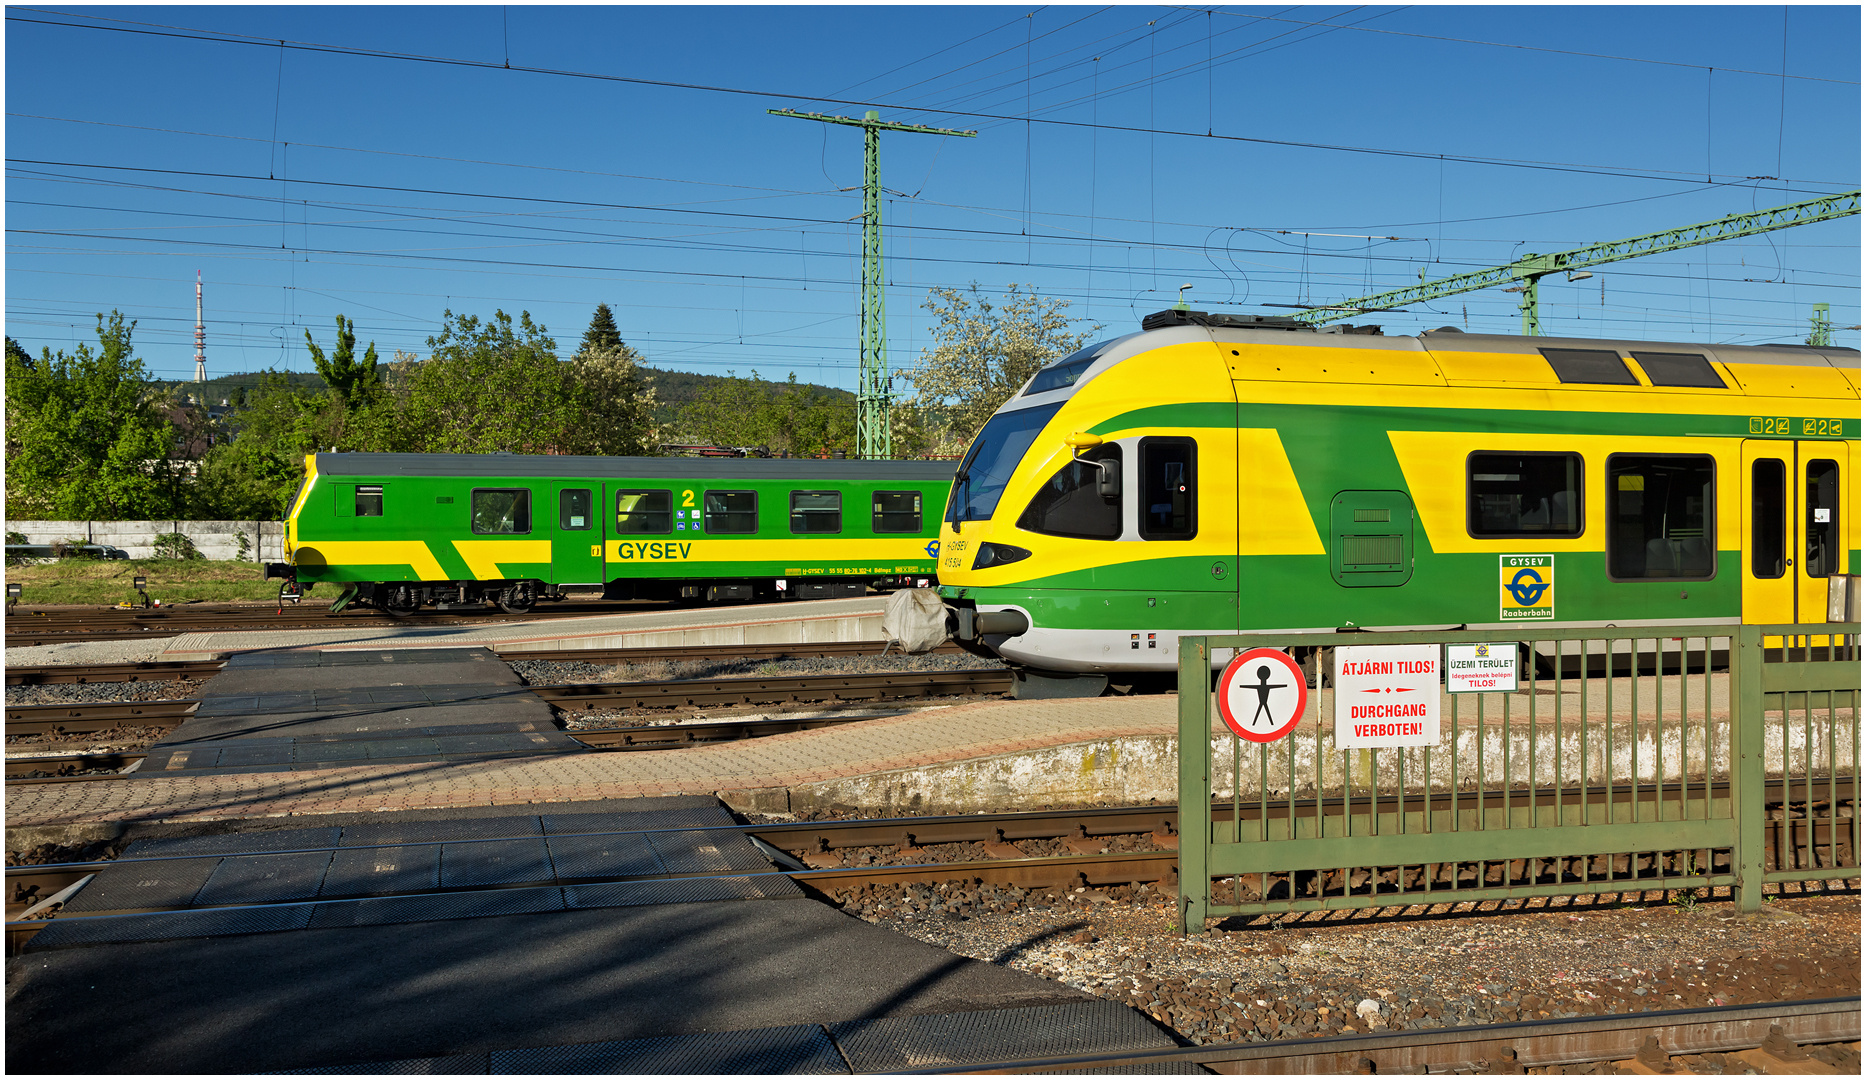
x=72, y=547
x=245, y=552
x=17, y=538
x=175, y=545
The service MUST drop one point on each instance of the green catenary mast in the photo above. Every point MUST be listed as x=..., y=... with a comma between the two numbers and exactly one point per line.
x=1528, y=270
x=874, y=396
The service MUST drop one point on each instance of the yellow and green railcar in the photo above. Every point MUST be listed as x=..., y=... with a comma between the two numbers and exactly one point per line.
x=398, y=531
x=1216, y=474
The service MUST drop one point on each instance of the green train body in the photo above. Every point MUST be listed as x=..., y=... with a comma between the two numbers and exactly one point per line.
x=397, y=531
x=1204, y=476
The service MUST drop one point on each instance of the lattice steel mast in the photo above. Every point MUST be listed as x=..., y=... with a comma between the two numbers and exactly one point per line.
x=1528, y=270
x=874, y=396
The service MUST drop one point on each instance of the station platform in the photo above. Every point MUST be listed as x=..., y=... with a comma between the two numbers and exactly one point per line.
x=795, y=621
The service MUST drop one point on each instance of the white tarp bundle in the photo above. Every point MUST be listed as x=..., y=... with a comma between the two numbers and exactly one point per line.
x=916, y=619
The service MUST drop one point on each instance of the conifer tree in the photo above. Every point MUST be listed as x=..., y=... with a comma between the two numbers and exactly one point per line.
x=602, y=333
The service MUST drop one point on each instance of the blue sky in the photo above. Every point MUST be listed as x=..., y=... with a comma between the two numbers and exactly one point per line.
x=384, y=163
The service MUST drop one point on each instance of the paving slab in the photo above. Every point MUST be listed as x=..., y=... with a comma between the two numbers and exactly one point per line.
x=347, y=995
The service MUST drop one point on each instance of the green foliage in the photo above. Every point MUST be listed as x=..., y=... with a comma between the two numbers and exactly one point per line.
x=17, y=537
x=983, y=354
x=491, y=387
x=86, y=436
x=175, y=545
x=777, y=417
x=616, y=402
x=15, y=353
x=352, y=380
x=602, y=333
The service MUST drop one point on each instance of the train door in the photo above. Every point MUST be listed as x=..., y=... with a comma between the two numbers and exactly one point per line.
x=1794, y=506
x=577, y=535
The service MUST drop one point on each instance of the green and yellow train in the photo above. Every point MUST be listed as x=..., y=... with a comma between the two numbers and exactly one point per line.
x=1217, y=474
x=399, y=531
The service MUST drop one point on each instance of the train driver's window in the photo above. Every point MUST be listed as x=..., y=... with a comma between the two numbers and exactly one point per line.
x=502, y=510
x=897, y=511
x=732, y=511
x=1823, y=519
x=573, y=508
x=816, y=511
x=1527, y=495
x=1168, y=491
x=639, y=512
x=1661, y=517
x=369, y=500
x=1080, y=499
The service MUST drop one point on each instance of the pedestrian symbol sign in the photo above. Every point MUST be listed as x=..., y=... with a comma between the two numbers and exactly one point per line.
x=1526, y=586
x=1262, y=694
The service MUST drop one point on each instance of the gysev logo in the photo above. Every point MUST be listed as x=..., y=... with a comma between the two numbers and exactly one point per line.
x=635, y=551
x=1526, y=586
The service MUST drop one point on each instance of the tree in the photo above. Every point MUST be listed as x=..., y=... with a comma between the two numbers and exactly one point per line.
x=983, y=353
x=351, y=379
x=493, y=386
x=616, y=400
x=602, y=332
x=776, y=417
x=14, y=352
x=86, y=435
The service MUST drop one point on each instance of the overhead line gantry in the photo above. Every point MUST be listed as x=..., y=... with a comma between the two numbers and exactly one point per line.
x=874, y=396
x=1527, y=271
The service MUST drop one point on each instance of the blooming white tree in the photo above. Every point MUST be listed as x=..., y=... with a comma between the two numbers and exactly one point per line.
x=982, y=354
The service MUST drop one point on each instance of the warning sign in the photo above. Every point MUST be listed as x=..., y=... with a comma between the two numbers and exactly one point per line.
x=1526, y=586
x=1262, y=694
x=1480, y=669
x=1386, y=695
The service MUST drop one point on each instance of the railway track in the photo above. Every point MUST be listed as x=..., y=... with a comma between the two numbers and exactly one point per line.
x=95, y=716
x=26, y=627
x=776, y=689
x=1773, y=1038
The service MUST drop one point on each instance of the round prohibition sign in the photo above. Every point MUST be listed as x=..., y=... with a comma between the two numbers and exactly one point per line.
x=1262, y=694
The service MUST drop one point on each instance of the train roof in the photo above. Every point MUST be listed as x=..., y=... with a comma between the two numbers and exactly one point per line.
x=653, y=468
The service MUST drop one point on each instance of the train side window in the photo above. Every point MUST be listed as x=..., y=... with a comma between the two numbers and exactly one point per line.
x=1081, y=499
x=732, y=511
x=1823, y=518
x=1522, y=495
x=639, y=512
x=369, y=500
x=1679, y=369
x=502, y=511
x=816, y=511
x=1768, y=518
x=1168, y=488
x=1660, y=517
x=1597, y=366
x=897, y=511
x=573, y=508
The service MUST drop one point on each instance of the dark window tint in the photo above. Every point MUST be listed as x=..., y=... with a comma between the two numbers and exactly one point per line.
x=1678, y=369
x=573, y=508
x=1072, y=502
x=1168, y=493
x=1768, y=518
x=1066, y=371
x=988, y=465
x=731, y=511
x=815, y=511
x=1823, y=519
x=1659, y=516
x=369, y=500
x=502, y=510
x=1589, y=366
x=639, y=512
x=1523, y=494
x=897, y=511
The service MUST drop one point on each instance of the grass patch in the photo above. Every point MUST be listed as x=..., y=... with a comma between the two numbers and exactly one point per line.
x=172, y=581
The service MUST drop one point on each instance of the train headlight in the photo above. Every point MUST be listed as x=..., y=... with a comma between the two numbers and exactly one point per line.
x=990, y=554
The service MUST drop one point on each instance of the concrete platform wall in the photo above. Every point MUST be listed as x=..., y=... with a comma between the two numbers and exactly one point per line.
x=219, y=540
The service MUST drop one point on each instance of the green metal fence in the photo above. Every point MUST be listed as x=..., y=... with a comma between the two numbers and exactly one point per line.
x=1662, y=758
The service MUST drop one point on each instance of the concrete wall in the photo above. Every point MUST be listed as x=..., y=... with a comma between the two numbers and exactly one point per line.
x=265, y=540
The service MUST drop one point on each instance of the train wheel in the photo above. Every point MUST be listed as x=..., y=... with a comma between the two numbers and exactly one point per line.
x=517, y=599
x=401, y=601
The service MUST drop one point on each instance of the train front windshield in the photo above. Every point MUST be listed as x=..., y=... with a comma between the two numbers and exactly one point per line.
x=991, y=461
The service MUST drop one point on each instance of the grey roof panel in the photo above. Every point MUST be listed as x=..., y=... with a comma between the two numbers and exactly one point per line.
x=632, y=468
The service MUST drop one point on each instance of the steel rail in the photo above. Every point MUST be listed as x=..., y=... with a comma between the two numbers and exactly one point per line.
x=20, y=770
x=766, y=690
x=143, y=671
x=676, y=736
x=1650, y=1038
x=96, y=716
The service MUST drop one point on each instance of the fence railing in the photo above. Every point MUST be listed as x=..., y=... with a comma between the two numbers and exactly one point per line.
x=1678, y=757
